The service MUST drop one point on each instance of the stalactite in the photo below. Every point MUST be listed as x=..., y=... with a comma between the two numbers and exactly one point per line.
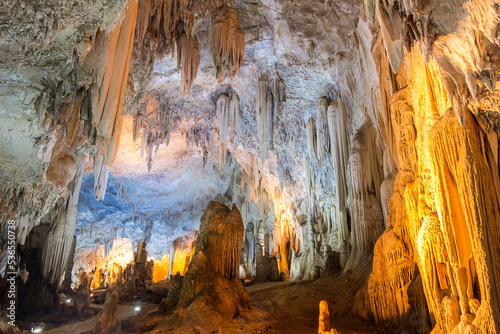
x=366, y=181
x=101, y=174
x=114, y=52
x=339, y=146
x=270, y=96
x=262, y=118
x=223, y=111
x=227, y=42
x=322, y=132
x=60, y=239
x=235, y=116
x=156, y=122
x=188, y=54
x=312, y=143
x=309, y=179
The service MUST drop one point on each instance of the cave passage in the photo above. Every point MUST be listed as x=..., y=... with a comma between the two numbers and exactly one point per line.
x=237, y=166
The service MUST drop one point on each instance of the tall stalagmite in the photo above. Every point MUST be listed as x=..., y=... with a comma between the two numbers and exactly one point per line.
x=217, y=223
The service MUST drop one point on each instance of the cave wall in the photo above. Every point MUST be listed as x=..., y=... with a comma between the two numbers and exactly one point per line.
x=369, y=128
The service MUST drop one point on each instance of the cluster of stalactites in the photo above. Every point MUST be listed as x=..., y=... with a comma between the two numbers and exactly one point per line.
x=165, y=17
x=188, y=54
x=60, y=239
x=155, y=120
x=270, y=95
x=327, y=137
x=170, y=22
x=228, y=114
x=402, y=23
x=227, y=42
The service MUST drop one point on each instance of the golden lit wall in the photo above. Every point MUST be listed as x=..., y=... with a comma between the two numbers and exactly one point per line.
x=440, y=249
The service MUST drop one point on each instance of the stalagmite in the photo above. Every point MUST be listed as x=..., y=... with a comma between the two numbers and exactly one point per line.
x=223, y=253
x=108, y=322
x=324, y=317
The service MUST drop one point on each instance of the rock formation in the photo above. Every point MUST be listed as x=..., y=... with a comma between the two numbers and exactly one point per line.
x=168, y=304
x=223, y=252
x=227, y=42
x=108, y=322
x=366, y=131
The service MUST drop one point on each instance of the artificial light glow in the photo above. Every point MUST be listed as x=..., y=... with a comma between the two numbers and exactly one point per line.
x=36, y=330
x=91, y=295
x=68, y=300
x=137, y=308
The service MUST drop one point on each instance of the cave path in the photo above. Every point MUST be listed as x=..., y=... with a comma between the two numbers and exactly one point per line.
x=122, y=313
x=262, y=286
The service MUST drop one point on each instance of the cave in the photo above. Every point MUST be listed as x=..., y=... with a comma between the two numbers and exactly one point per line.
x=250, y=166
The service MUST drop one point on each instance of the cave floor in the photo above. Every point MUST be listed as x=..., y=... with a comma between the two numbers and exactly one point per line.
x=277, y=307
x=294, y=307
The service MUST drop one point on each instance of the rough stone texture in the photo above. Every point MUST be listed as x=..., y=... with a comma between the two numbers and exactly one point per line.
x=169, y=303
x=409, y=174
x=202, y=287
x=81, y=300
x=324, y=317
x=108, y=322
x=332, y=263
x=221, y=238
x=266, y=267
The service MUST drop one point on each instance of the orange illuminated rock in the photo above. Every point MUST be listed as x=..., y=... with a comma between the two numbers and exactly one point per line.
x=324, y=317
x=227, y=42
x=221, y=238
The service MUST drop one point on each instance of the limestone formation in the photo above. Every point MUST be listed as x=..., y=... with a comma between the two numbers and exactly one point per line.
x=266, y=267
x=204, y=287
x=270, y=96
x=223, y=252
x=324, y=317
x=81, y=300
x=353, y=139
x=108, y=322
x=168, y=304
x=189, y=54
x=227, y=42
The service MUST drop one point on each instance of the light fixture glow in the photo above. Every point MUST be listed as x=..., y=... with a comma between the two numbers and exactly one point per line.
x=36, y=330
x=137, y=308
x=68, y=300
